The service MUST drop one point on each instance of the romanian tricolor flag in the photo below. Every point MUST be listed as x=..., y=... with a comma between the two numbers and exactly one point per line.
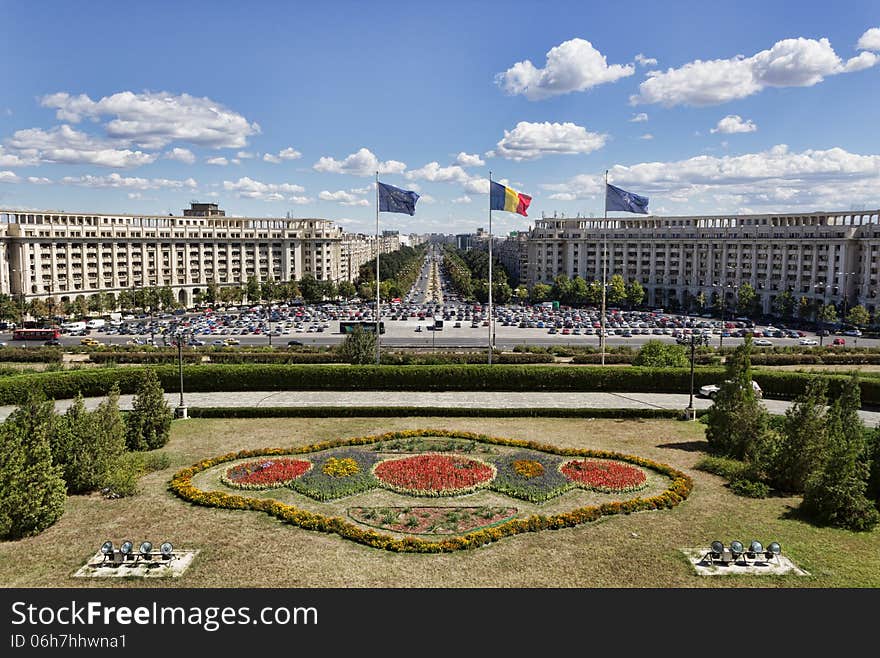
x=503, y=198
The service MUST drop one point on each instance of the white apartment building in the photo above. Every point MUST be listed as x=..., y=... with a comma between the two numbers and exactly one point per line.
x=63, y=254
x=828, y=257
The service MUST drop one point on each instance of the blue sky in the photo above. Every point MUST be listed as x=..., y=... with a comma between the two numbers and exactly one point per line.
x=269, y=108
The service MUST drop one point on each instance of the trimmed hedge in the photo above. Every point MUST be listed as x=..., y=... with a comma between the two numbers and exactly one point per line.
x=272, y=377
x=30, y=354
x=384, y=412
x=142, y=357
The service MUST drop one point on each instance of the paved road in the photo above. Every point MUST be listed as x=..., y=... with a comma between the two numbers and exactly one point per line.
x=468, y=400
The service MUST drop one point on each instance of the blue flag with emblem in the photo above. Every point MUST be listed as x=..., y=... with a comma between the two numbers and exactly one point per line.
x=393, y=199
x=617, y=199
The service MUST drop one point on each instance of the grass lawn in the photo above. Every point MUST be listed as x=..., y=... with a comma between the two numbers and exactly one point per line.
x=249, y=549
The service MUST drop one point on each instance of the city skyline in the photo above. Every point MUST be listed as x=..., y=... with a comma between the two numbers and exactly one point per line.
x=772, y=113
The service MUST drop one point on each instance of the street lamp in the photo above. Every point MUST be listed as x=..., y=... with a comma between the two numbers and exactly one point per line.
x=691, y=412
x=846, y=276
x=181, y=411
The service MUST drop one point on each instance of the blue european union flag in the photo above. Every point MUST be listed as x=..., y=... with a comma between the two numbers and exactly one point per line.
x=617, y=199
x=393, y=199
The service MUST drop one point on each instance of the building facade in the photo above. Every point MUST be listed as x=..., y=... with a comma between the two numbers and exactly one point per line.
x=61, y=254
x=827, y=257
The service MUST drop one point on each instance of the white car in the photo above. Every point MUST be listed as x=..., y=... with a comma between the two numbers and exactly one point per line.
x=808, y=341
x=762, y=342
x=711, y=390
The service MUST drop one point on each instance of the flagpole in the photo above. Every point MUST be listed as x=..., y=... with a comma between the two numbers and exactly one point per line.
x=378, y=348
x=490, y=268
x=604, y=269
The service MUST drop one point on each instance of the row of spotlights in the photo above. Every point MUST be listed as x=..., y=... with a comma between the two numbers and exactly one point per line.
x=755, y=548
x=145, y=550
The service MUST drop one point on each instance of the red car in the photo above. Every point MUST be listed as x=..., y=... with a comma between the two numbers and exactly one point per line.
x=838, y=341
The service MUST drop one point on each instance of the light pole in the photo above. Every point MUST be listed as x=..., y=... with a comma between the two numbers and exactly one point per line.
x=845, y=290
x=181, y=411
x=691, y=412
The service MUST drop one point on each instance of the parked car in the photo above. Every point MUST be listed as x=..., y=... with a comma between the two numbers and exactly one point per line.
x=808, y=341
x=89, y=342
x=838, y=341
x=50, y=343
x=762, y=342
x=294, y=343
x=711, y=390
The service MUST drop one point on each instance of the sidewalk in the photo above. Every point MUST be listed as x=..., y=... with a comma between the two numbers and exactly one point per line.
x=468, y=399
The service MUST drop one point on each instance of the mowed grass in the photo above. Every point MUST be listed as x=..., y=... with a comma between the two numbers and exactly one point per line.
x=249, y=549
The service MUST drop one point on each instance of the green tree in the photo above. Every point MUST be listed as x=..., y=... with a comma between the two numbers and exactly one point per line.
x=106, y=442
x=38, y=308
x=359, y=347
x=701, y=300
x=783, y=304
x=110, y=302
x=166, y=298
x=253, y=289
x=858, y=316
x=805, y=308
x=738, y=423
x=211, y=294
x=541, y=293
x=561, y=290
x=81, y=306
x=96, y=303
x=804, y=438
x=635, y=294
x=578, y=292
x=873, y=454
x=32, y=490
x=346, y=289
x=746, y=298
x=148, y=426
x=66, y=437
x=311, y=289
x=827, y=313
x=657, y=354
x=616, y=293
x=594, y=293
x=522, y=294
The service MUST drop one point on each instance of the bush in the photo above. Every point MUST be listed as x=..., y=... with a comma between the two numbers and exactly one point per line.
x=127, y=468
x=149, y=423
x=657, y=354
x=749, y=488
x=32, y=491
x=30, y=354
x=729, y=469
x=359, y=347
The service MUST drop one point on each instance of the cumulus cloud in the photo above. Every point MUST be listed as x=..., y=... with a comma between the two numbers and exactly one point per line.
x=342, y=198
x=469, y=160
x=573, y=65
x=220, y=161
x=245, y=155
x=647, y=136
x=434, y=173
x=870, y=40
x=361, y=163
x=289, y=153
x=529, y=141
x=38, y=180
x=9, y=177
x=65, y=145
x=789, y=63
x=269, y=157
x=115, y=180
x=8, y=159
x=155, y=119
x=300, y=200
x=248, y=188
x=639, y=118
x=645, y=61
x=733, y=123
x=462, y=199
x=181, y=155
x=775, y=179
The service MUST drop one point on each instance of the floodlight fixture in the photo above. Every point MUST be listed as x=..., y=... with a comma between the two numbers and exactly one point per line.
x=107, y=549
x=167, y=550
x=717, y=550
x=773, y=550
x=146, y=550
x=755, y=548
x=736, y=549
x=126, y=549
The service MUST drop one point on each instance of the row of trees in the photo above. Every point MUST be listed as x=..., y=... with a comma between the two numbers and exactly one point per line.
x=468, y=271
x=824, y=453
x=45, y=455
x=398, y=271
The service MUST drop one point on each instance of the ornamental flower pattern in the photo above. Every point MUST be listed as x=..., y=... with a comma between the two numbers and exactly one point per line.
x=605, y=476
x=265, y=474
x=434, y=474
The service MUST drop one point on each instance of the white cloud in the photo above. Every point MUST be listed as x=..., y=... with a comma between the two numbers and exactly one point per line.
x=427, y=199
x=639, y=118
x=462, y=199
x=115, y=180
x=645, y=61
x=434, y=173
x=366, y=189
x=181, y=155
x=274, y=159
x=343, y=198
x=220, y=161
x=529, y=141
x=135, y=195
x=776, y=179
x=789, y=63
x=647, y=136
x=870, y=40
x=154, y=119
x=361, y=163
x=469, y=160
x=245, y=155
x=64, y=145
x=300, y=200
x=289, y=153
x=248, y=188
x=9, y=177
x=38, y=180
x=16, y=160
x=573, y=65
x=733, y=123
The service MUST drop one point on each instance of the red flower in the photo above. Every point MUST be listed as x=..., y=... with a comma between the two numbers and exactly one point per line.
x=434, y=475
x=604, y=476
x=266, y=472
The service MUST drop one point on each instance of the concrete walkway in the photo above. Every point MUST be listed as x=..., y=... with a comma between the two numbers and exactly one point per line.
x=391, y=399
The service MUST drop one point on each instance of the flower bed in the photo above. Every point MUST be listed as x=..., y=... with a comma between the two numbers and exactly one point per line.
x=428, y=444
x=182, y=485
x=604, y=476
x=265, y=474
x=338, y=474
x=519, y=476
x=431, y=520
x=434, y=475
